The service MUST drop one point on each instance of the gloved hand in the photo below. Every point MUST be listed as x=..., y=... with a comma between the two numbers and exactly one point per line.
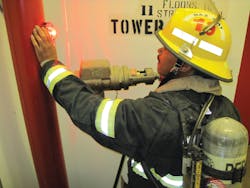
x=44, y=45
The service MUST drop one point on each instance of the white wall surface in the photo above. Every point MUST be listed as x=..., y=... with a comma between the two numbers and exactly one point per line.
x=237, y=18
x=84, y=32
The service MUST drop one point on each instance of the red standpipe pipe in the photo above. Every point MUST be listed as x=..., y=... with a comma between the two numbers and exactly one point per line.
x=241, y=99
x=38, y=106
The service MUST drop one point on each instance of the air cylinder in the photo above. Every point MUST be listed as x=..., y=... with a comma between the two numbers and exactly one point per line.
x=225, y=144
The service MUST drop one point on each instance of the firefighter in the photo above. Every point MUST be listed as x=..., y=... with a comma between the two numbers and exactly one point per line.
x=150, y=130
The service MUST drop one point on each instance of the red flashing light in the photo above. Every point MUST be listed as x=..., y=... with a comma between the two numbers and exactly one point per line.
x=51, y=29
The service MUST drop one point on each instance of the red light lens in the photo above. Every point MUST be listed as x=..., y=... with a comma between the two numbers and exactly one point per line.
x=51, y=29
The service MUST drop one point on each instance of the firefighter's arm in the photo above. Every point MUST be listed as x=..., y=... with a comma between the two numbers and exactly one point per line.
x=125, y=126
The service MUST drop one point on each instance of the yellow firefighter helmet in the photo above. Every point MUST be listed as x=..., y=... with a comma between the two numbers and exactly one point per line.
x=200, y=38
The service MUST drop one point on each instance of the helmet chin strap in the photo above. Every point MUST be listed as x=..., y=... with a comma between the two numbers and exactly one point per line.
x=179, y=63
x=173, y=72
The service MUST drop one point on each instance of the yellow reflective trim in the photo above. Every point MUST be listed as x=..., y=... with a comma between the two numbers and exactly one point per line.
x=57, y=79
x=112, y=117
x=137, y=168
x=99, y=115
x=105, y=117
x=50, y=71
x=167, y=180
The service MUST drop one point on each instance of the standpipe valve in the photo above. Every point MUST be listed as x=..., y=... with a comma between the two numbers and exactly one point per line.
x=100, y=75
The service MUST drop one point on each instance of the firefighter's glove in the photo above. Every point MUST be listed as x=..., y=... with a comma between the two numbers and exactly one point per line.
x=44, y=45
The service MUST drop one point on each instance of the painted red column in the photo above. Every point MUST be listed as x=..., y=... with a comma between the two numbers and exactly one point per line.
x=242, y=97
x=38, y=106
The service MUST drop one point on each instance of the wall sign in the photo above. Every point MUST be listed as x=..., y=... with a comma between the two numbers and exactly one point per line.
x=151, y=16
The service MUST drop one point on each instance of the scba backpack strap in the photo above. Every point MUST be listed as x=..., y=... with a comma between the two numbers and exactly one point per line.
x=235, y=175
x=216, y=152
x=192, y=151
